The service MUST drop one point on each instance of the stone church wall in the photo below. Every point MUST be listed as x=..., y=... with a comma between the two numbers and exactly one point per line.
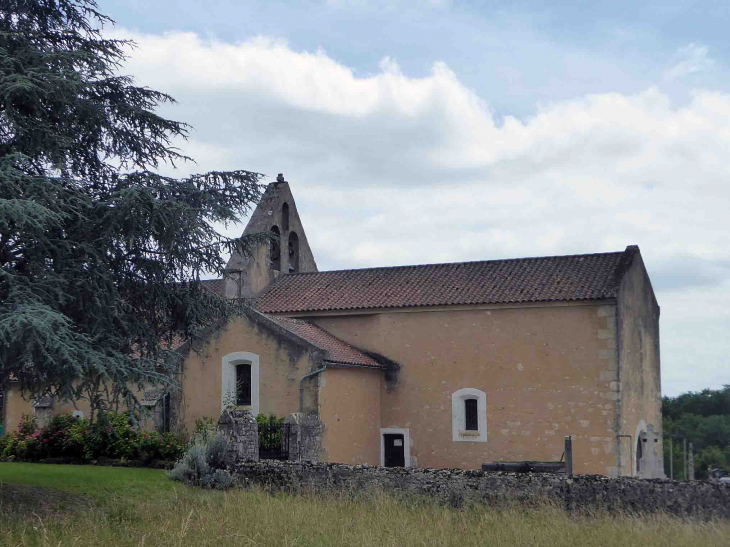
x=17, y=405
x=350, y=410
x=544, y=369
x=281, y=365
x=637, y=327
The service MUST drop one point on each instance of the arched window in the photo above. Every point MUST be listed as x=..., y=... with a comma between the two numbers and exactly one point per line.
x=240, y=381
x=285, y=218
x=275, y=249
x=293, y=252
x=469, y=415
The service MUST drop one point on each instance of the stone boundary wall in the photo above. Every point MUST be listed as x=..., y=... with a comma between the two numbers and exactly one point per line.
x=456, y=487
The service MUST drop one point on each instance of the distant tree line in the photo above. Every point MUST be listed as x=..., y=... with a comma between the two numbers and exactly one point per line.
x=704, y=419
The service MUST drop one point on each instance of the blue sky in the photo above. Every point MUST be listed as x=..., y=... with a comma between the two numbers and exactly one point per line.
x=519, y=53
x=435, y=130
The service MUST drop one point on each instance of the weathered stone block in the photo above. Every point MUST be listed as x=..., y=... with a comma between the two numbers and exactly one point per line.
x=305, y=437
x=243, y=435
x=43, y=410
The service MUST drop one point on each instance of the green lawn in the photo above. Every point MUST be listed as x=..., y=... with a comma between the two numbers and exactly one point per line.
x=98, y=482
x=133, y=507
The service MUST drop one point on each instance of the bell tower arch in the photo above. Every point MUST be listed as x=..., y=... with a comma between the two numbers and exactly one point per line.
x=289, y=252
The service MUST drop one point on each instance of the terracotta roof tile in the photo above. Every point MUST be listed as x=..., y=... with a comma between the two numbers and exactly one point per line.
x=339, y=351
x=522, y=280
x=215, y=286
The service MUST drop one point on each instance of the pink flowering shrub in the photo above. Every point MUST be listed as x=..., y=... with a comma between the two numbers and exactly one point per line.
x=63, y=437
x=22, y=442
x=113, y=436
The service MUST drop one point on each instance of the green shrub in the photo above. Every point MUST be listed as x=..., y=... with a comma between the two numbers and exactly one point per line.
x=113, y=436
x=21, y=443
x=159, y=446
x=267, y=440
x=203, y=428
x=204, y=463
x=27, y=425
x=57, y=439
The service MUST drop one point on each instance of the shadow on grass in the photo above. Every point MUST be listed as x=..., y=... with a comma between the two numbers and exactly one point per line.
x=23, y=501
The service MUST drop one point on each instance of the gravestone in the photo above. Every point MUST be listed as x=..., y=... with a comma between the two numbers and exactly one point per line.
x=43, y=410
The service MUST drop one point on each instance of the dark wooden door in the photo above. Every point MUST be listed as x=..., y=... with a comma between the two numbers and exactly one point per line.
x=394, y=451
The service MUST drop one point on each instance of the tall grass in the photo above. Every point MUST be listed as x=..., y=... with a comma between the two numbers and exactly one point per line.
x=181, y=515
x=258, y=518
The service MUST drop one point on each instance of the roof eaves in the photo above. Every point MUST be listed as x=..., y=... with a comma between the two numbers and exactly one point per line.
x=342, y=364
x=261, y=318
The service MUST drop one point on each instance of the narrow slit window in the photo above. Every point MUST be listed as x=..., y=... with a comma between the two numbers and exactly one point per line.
x=285, y=218
x=275, y=249
x=293, y=252
x=471, y=415
x=243, y=385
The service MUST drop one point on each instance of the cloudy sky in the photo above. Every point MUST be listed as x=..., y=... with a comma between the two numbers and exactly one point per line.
x=433, y=130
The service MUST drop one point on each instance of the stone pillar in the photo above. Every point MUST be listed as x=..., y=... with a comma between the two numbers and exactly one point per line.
x=305, y=437
x=43, y=409
x=652, y=457
x=243, y=435
x=153, y=401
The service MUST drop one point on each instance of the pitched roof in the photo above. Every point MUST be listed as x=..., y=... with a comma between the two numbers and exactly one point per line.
x=215, y=286
x=337, y=350
x=521, y=280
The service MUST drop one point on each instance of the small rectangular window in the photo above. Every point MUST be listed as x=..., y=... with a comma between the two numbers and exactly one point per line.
x=243, y=385
x=471, y=415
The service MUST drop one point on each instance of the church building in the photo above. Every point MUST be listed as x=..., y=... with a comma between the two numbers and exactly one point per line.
x=435, y=365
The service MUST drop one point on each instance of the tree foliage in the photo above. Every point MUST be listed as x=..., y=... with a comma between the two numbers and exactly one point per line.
x=704, y=419
x=100, y=255
x=708, y=402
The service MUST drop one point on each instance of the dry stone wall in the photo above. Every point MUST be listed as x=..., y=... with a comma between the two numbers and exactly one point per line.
x=457, y=488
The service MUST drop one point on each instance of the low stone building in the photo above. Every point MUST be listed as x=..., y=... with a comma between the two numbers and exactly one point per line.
x=439, y=365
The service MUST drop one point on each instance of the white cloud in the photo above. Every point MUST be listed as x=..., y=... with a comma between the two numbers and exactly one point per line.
x=690, y=59
x=389, y=169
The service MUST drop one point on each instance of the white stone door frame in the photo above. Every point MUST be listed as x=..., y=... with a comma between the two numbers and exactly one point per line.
x=228, y=377
x=406, y=443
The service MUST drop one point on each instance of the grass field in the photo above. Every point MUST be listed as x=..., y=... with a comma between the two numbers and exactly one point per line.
x=48, y=505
